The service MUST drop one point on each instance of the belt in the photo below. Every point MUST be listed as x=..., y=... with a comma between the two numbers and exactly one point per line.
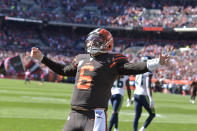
x=79, y=108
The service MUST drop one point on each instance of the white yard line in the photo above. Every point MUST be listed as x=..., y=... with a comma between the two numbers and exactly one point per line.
x=131, y=113
x=46, y=99
x=121, y=120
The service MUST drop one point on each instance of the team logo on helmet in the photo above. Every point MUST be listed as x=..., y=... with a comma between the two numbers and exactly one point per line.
x=99, y=40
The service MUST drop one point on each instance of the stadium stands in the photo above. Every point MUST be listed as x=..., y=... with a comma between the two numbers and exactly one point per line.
x=133, y=14
x=62, y=44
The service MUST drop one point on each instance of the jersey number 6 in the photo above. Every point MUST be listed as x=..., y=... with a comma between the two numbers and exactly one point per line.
x=84, y=81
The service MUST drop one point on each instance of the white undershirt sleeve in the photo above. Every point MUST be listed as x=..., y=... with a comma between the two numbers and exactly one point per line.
x=153, y=63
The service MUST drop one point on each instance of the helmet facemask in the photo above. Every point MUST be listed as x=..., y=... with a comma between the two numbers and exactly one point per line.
x=95, y=43
x=99, y=41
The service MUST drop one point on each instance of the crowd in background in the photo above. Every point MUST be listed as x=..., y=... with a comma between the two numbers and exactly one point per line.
x=183, y=64
x=62, y=46
x=116, y=13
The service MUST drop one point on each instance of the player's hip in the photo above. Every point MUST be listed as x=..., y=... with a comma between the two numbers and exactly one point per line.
x=90, y=120
x=138, y=97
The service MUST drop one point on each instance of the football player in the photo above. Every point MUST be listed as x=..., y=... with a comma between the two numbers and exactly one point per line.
x=143, y=98
x=193, y=91
x=116, y=99
x=2, y=68
x=95, y=73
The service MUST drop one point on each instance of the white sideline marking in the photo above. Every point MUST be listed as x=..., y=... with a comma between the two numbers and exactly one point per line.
x=3, y=91
x=46, y=98
x=27, y=92
x=143, y=114
x=26, y=117
x=64, y=118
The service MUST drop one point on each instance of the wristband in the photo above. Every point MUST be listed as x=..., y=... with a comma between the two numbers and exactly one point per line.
x=152, y=64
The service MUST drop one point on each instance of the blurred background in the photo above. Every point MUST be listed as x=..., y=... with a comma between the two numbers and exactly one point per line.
x=139, y=28
x=59, y=28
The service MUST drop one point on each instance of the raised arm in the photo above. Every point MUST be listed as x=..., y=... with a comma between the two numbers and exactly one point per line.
x=66, y=70
x=69, y=70
x=133, y=68
x=142, y=67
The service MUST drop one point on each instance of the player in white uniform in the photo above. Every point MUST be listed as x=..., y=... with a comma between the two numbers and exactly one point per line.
x=143, y=98
x=117, y=92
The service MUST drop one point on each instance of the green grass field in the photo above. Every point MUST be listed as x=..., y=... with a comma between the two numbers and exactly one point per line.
x=32, y=107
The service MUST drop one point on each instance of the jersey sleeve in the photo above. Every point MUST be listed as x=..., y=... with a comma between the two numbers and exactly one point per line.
x=66, y=70
x=126, y=68
x=117, y=60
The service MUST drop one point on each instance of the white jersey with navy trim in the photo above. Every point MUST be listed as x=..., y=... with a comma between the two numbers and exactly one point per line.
x=118, y=86
x=140, y=83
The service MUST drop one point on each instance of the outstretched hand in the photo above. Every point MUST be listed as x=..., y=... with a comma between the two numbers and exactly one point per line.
x=151, y=104
x=164, y=59
x=36, y=53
